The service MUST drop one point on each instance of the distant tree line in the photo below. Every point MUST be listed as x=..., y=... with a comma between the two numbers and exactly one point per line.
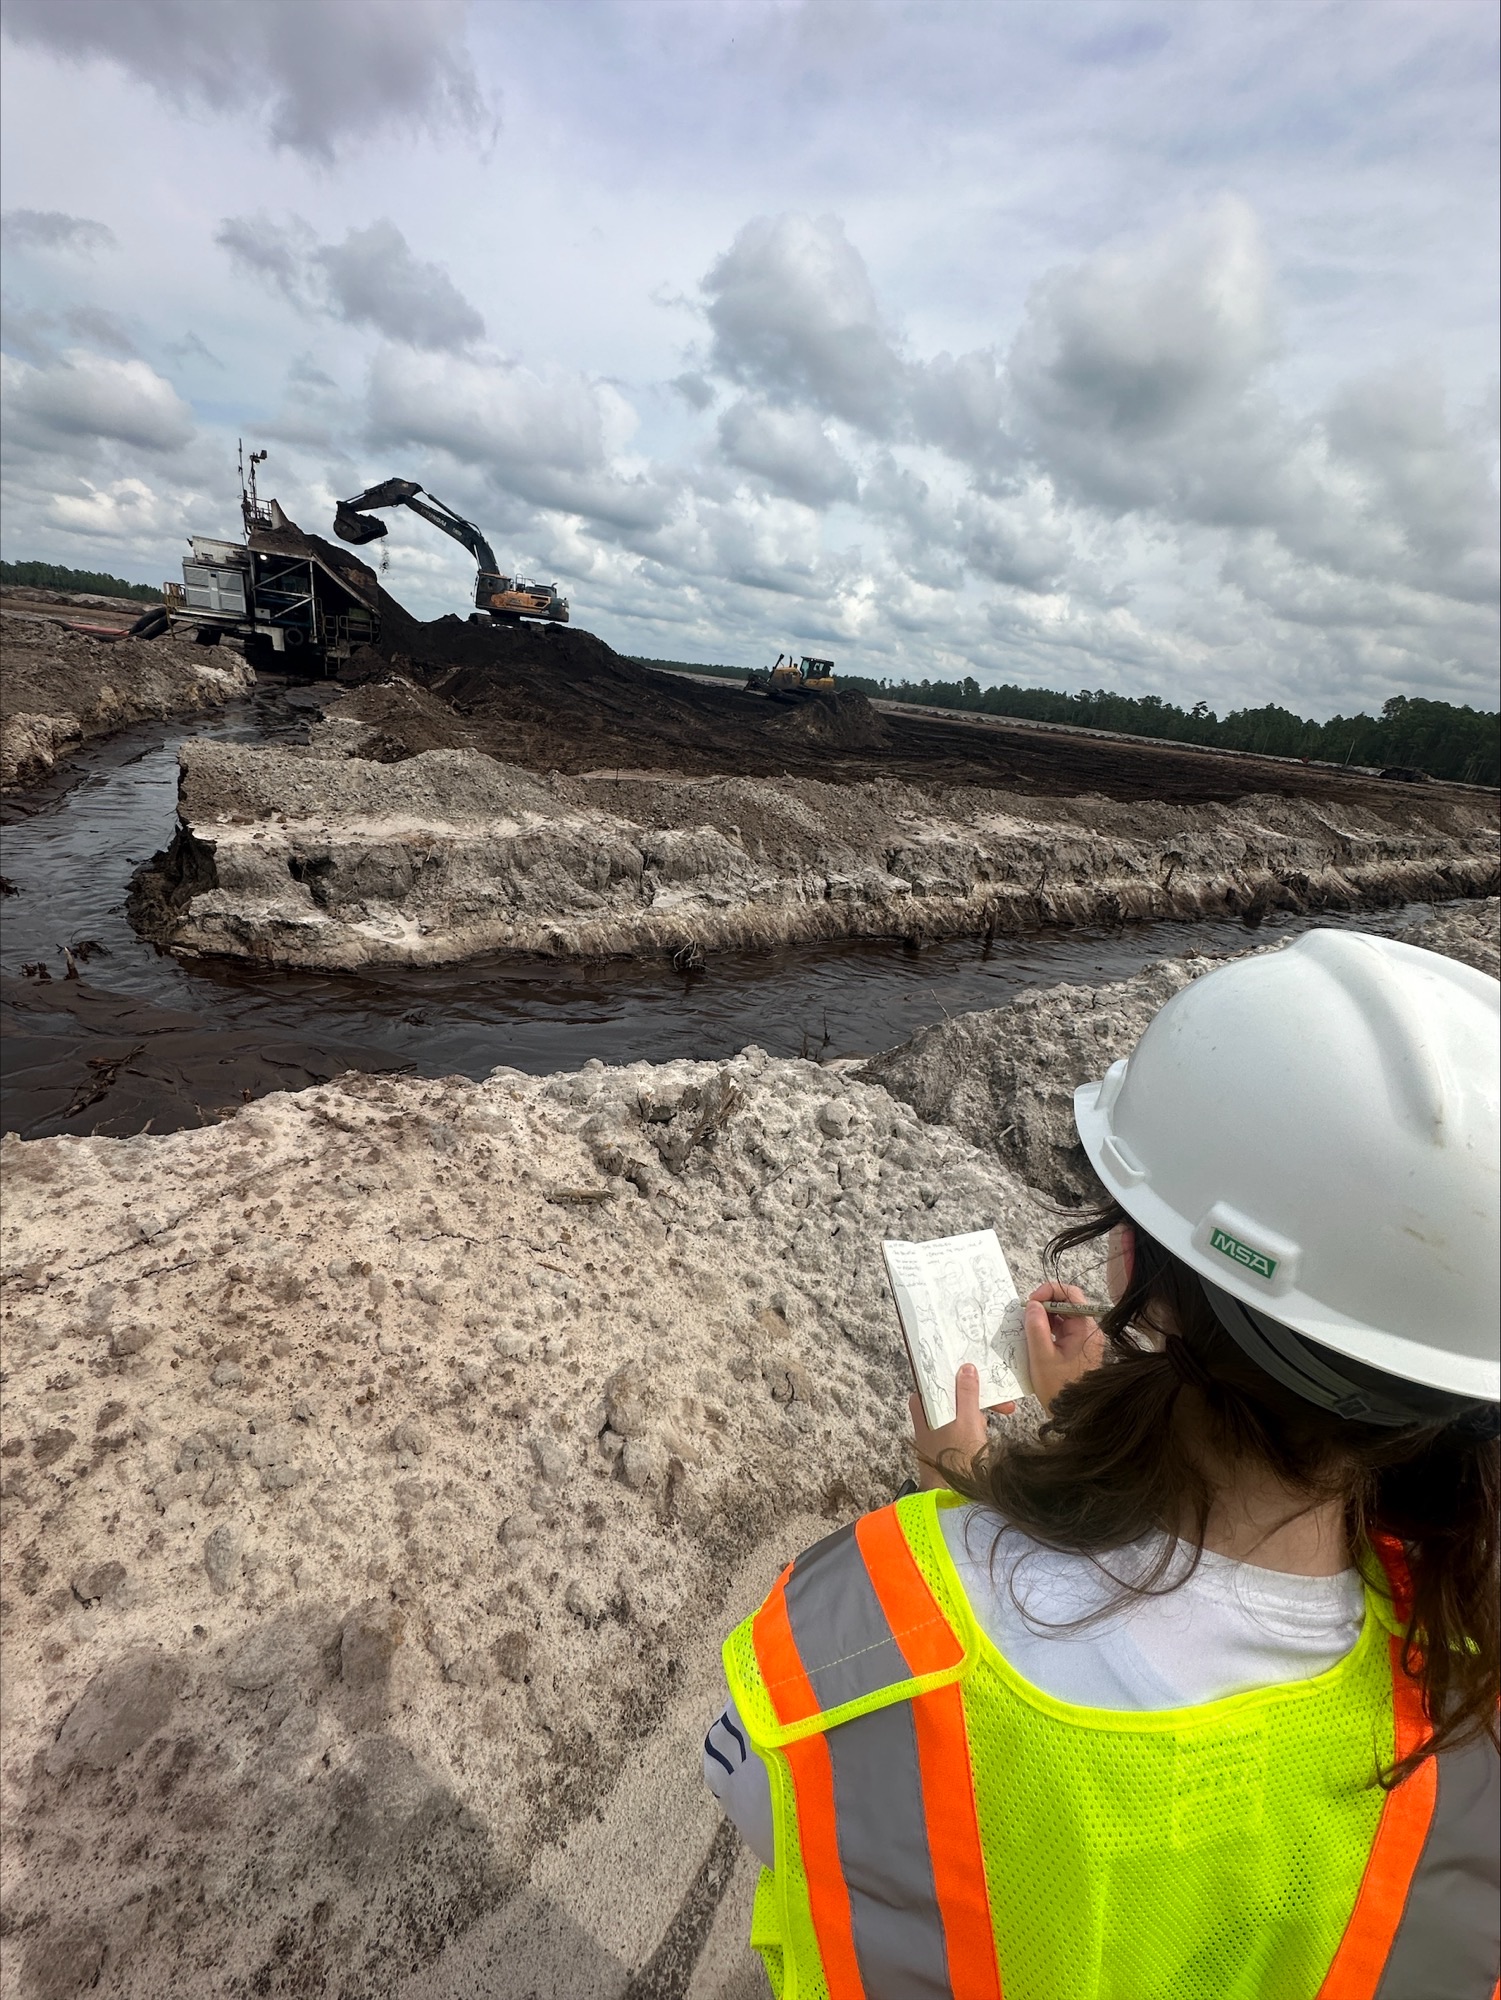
x=53, y=576
x=1432, y=736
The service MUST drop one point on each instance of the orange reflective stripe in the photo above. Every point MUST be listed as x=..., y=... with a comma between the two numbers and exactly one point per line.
x=1411, y=1724
x=780, y=1662
x=1356, y=1970
x=793, y=1698
x=850, y=1886
x=948, y=1790
x=928, y=1642
x=828, y=1898
x=1392, y=1556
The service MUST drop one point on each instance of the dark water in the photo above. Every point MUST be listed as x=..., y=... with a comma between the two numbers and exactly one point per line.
x=194, y=1037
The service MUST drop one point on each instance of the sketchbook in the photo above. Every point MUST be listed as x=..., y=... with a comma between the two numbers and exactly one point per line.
x=957, y=1302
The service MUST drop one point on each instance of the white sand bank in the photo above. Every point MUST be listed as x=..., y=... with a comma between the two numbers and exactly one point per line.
x=321, y=859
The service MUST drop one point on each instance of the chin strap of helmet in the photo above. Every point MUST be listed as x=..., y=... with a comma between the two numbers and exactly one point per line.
x=1315, y=1374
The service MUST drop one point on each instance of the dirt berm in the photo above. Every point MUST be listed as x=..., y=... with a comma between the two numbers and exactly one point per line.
x=366, y=1488
x=328, y=857
x=380, y=1469
x=58, y=688
x=554, y=698
x=1005, y=1077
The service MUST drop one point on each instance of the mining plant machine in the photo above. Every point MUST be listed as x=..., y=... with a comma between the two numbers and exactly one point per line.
x=508, y=598
x=294, y=603
x=790, y=679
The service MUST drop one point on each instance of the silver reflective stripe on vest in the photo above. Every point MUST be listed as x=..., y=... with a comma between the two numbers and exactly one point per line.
x=842, y=1635
x=1448, y=1943
x=883, y=1852
x=848, y=1650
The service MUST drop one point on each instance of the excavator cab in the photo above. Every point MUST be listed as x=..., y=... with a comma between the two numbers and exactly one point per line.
x=816, y=673
x=512, y=598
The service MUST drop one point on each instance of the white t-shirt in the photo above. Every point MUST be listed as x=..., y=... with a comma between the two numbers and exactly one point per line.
x=1228, y=1628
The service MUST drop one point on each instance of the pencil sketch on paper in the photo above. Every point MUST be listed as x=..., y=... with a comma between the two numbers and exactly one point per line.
x=957, y=1302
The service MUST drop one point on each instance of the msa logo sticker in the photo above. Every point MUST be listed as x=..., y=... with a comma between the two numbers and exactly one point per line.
x=1242, y=1253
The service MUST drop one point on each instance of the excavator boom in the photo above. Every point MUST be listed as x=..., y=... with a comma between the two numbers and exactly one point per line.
x=501, y=596
x=352, y=524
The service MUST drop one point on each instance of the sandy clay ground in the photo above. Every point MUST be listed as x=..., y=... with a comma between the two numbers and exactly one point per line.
x=331, y=856
x=368, y=1492
x=382, y=1465
x=58, y=687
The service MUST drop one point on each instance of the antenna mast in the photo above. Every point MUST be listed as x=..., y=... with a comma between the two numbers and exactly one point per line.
x=252, y=513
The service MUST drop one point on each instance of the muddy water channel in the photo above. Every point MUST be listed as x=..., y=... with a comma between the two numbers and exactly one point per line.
x=142, y=1039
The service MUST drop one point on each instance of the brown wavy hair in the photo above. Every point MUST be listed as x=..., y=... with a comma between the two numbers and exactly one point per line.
x=1116, y=1461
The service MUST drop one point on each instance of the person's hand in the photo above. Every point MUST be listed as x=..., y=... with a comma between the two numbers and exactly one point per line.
x=963, y=1437
x=1059, y=1351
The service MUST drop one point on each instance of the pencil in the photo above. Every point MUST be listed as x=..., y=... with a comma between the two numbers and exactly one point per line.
x=1065, y=1309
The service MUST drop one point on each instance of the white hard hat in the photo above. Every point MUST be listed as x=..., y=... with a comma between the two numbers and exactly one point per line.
x=1315, y=1132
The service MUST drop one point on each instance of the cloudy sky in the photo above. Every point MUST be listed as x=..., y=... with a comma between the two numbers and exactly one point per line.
x=1084, y=343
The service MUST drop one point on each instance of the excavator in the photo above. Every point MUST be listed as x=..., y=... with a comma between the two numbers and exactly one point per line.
x=791, y=678
x=506, y=598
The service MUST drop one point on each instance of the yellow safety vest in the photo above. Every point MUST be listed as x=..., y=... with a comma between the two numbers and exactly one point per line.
x=944, y=1828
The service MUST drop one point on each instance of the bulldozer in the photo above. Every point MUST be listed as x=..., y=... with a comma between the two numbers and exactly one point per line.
x=507, y=599
x=791, y=678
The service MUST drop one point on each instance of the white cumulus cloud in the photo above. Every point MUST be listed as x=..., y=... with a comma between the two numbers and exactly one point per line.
x=791, y=450
x=51, y=229
x=793, y=312
x=549, y=436
x=328, y=76
x=372, y=278
x=83, y=395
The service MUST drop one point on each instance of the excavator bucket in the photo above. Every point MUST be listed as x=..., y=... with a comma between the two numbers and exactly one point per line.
x=353, y=525
x=350, y=526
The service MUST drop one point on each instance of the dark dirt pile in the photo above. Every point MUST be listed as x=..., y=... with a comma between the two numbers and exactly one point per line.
x=559, y=699
x=554, y=698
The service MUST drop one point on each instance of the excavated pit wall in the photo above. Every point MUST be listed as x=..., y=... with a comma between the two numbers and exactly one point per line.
x=365, y=1490
x=1005, y=1077
x=321, y=859
x=59, y=688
